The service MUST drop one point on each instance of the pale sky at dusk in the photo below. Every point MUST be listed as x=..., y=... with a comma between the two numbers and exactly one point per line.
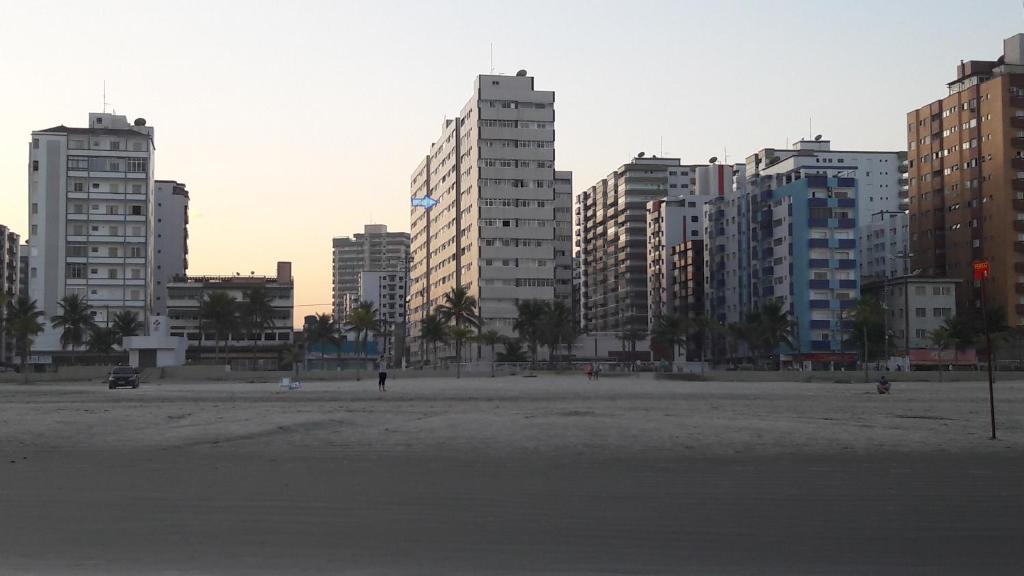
x=295, y=122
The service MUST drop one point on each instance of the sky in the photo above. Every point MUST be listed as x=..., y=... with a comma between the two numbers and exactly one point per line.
x=294, y=122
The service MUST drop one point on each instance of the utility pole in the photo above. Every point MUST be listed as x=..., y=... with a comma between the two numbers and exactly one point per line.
x=981, y=274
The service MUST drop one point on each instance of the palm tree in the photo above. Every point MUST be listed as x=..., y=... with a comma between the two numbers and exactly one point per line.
x=432, y=331
x=126, y=324
x=257, y=314
x=24, y=322
x=293, y=356
x=513, y=351
x=219, y=312
x=74, y=321
x=458, y=306
x=671, y=330
x=868, y=326
x=362, y=320
x=459, y=334
x=630, y=335
x=768, y=329
x=490, y=338
x=556, y=327
x=102, y=340
x=322, y=332
x=528, y=323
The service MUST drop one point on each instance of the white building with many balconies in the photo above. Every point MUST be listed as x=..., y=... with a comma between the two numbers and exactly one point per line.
x=90, y=218
x=489, y=210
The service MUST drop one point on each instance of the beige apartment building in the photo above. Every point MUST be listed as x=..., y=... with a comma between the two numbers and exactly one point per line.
x=965, y=161
x=489, y=211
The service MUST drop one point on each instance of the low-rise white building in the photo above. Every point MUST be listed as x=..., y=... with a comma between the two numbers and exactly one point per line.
x=915, y=306
x=386, y=290
x=185, y=294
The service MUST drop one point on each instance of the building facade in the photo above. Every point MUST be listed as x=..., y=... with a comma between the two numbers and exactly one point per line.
x=676, y=220
x=727, y=252
x=804, y=252
x=184, y=295
x=966, y=180
x=171, y=239
x=885, y=245
x=10, y=283
x=90, y=218
x=914, y=305
x=613, y=237
x=387, y=291
x=374, y=249
x=489, y=211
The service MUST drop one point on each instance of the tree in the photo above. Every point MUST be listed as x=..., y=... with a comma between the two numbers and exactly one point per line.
x=102, y=340
x=24, y=322
x=671, y=330
x=555, y=326
x=257, y=314
x=513, y=351
x=218, y=311
x=528, y=323
x=490, y=338
x=362, y=320
x=632, y=332
x=458, y=335
x=293, y=356
x=458, y=306
x=868, y=332
x=322, y=332
x=74, y=321
x=775, y=328
x=432, y=332
x=126, y=324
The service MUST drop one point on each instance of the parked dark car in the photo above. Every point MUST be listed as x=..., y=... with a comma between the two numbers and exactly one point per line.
x=123, y=376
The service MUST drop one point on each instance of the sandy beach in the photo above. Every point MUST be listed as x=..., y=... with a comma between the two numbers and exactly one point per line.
x=547, y=475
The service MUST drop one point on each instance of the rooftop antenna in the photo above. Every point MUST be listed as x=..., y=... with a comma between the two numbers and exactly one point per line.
x=661, y=146
x=810, y=129
x=104, y=96
x=725, y=155
x=492, y=57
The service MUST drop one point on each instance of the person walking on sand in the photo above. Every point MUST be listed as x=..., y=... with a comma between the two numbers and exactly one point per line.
x=589, y=369
x=382, y=377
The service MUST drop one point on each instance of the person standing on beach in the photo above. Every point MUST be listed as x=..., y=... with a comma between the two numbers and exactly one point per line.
x=382, y=376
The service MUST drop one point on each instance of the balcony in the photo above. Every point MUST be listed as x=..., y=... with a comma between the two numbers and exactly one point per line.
x=1019, y=287
x=1018, y=225
x=1018, y=267
x=1018, y=204
x=1017, y=163
x=817, y=243
x=820, y=324
x=819, y=285
x=1018, y=246
x=1017, y=121
x=1017, y=142
x=1020, y=309
x=820, y=304
x=1017, y=184
x=1017, y=101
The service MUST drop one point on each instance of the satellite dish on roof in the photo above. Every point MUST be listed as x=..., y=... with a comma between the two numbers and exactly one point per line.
x=521, y=73
x=817, y=138
x=140, y=121
x=640, y=155
x=713, y=159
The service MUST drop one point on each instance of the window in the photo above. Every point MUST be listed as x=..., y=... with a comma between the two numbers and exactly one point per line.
x=136, y=210
x=136, y=165
x=35, y=165
x=115, y=145
x=135, y=252
x=75, y=272
x=112, y=273
x=920, y=312
x=35, y=208
x=113, y=209
x=35, y=229
x=115, y=231
x=920, y=290
x=112, y=252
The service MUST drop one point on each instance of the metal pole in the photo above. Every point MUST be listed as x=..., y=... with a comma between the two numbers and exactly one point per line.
x=865, y=331
x=988, y=344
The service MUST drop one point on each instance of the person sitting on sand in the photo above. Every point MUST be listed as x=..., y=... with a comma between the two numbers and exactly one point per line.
x=589, y=370
x=883, y=385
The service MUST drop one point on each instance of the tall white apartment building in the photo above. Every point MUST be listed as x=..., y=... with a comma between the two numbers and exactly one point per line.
x=885, y=246
x=170, y=262
x=489, y=211
x=374, y=249
x=90, y=217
